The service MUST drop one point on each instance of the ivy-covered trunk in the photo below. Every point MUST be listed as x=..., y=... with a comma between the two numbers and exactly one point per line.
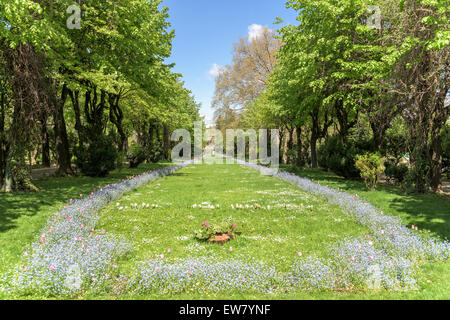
x=29, y=94
x=441, y=114
x=17, y=175
x=3, y=142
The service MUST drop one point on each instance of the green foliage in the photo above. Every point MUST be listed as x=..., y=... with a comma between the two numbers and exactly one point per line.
x=154, y=232
x=418, y=177
x=18, y=170
x=395, y=171
x=340, y=157
x=121, y=157
x=371, y=166
x=97, y=158
x=395, y=139
x=209, y=230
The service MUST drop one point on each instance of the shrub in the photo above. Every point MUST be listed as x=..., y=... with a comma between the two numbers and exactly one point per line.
x=371, y=166
x=137, y=156
x=209, y=231
x=97, y=158
x=339, y=157
x=397, y=172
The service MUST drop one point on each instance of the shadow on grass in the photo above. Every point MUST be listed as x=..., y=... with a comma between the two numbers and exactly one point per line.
x=55, y=193
x=180, y=174
x=428, y=211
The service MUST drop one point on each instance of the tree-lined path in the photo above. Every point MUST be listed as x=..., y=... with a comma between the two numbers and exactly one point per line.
x=97, y=96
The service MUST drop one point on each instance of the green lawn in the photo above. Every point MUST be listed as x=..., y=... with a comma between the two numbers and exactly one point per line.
x=297, y=221
x=273, y=236
x=22, y=215
x=428, y=211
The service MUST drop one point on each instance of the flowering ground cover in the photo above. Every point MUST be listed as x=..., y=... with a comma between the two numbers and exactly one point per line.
x=285, y=221
x=24, y=214
x=292, y=243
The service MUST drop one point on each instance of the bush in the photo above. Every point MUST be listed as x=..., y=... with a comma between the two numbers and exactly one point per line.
x=137, y=156
x=339, y=157
x=396, y=172
x=208, y=231
x=371, y=166
x=97, y=158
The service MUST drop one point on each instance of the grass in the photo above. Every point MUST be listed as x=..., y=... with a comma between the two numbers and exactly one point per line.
x=273, y=236
x=22, y=215
x=428, y=211
x=297, y=221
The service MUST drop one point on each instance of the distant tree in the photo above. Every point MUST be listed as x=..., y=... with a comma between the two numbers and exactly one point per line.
x=245, y=79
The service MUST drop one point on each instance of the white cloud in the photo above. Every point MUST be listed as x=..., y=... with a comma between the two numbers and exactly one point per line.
x=255, y=31
x=215, y=70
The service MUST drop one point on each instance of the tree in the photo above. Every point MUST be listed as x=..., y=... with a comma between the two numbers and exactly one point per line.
x=245, y=79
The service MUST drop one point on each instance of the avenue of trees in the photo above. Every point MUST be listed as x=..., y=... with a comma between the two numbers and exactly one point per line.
x=86, y=98
x=342, y=83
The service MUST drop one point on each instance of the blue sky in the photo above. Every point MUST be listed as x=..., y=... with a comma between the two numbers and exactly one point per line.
x=205, y=31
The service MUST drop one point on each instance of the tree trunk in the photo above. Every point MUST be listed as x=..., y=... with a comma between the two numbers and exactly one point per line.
x=3, y=149
x=378, y=134
x=441, y=115
x=74, y=96
x=116, y=117
x=290, y=145
x=166, y=142
x=151, y=135
x=17, y=175
x=28, y=90
x=299, y=161
x=45, y=142
x=61, y=140
x=314, y=137
x=342, y=116
x=281, y=145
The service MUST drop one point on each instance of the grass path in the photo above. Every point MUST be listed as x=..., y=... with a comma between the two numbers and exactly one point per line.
x=22, y=215
x=297, y=221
